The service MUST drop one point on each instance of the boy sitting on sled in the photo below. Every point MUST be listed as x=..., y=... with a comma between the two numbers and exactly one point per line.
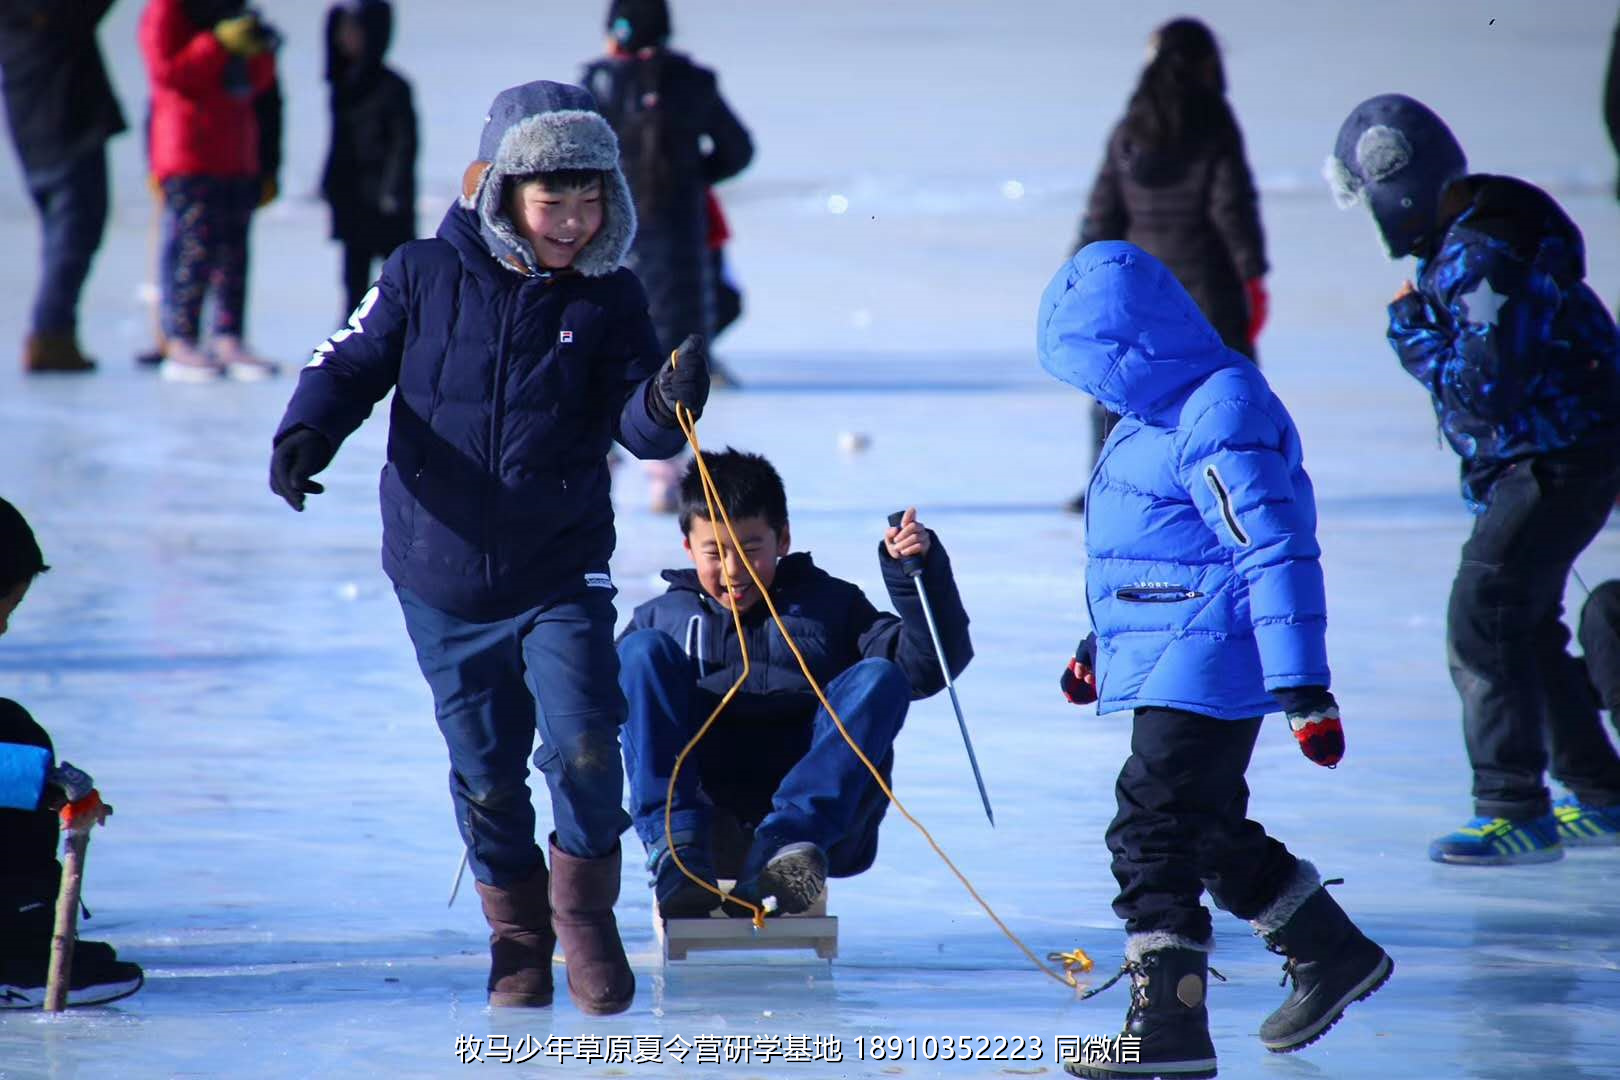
x=773, y=772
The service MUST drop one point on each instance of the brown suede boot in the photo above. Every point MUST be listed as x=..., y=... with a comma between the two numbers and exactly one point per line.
x=520, y=942
x=54, y=352
x=583, y=892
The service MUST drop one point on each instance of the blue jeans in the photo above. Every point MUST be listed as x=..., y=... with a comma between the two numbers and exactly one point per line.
x=827, y=797
x=551, y=669
x=73, y=214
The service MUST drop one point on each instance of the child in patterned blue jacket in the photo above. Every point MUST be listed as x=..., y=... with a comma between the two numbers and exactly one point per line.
x=1206, y=600
x=1523, y=363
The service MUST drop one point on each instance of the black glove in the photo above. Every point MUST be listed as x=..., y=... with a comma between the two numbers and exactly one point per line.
x=299, y=455
x=1313, y=716
x=1079, y=681
x=683, y=380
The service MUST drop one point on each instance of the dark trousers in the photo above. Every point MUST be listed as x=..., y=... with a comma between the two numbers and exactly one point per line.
x=1600, y=640
x=552, y=670
x=1183, y=826
x=73, y=214
x=29, y=871
x=826, y=796
x=1527, y=705
x=205, y=251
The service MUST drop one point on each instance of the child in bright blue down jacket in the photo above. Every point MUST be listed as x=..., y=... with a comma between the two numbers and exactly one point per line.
x=1207, y=606
x=518, y=349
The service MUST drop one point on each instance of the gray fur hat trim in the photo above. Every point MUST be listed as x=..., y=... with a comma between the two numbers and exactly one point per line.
x=565, y=139
x=1300, y=888
x=1139, y=945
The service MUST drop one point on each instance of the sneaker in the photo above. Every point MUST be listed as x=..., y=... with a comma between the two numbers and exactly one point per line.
x=1488, y=841
x=97, y=978
x=795, y=874
x=679, y=897
x=1580, y=825
x=185, y=363
x=240, y=363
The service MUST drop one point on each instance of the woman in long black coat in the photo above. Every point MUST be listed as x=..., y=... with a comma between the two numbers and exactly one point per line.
x=1175, y=182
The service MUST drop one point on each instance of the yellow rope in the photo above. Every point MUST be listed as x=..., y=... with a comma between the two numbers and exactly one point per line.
x=1075, y=960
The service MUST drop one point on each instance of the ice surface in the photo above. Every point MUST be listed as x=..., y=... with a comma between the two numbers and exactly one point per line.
x=238, y=680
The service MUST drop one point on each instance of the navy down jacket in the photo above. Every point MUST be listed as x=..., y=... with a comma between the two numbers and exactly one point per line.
x=511, y=388
x=1202, y=574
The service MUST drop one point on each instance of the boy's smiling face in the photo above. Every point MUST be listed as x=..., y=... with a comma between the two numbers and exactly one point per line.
x=556, y=223
x=761, y=547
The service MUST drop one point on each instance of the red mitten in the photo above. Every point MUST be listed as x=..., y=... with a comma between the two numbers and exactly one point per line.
x=1313, y=717
x=1259, y=306
x=1079, y=681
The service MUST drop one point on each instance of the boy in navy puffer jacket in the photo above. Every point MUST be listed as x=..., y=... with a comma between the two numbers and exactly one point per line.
x=517, y=349
x=1206, y=601
x=773, y=796
x=1523, y=364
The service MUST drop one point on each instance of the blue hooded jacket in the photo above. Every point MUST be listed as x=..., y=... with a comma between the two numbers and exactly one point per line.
x=510, y=382
x=1203, y=577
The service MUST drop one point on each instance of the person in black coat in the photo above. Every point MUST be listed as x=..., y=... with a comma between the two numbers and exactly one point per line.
x=62, y=112
x=370, y=177
x=1175, y=182
x=678, y=137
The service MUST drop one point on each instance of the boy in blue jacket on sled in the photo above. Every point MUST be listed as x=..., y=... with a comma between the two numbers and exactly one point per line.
x=773, y=795
x=1208, y=612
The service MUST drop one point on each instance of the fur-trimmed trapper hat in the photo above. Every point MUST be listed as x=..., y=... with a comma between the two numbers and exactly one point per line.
x=1394, y=155
x=542, y=127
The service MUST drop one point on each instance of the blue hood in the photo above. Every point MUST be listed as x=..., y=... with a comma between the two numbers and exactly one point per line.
x=1118, y=325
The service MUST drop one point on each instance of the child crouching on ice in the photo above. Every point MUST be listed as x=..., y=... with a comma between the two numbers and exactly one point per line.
x=1207, y=606
x=773, y=795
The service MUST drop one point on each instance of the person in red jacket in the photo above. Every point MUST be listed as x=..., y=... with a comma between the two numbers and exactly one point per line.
x=208, y=62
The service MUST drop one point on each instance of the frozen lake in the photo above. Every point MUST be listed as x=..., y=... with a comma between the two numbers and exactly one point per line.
x=238, y=680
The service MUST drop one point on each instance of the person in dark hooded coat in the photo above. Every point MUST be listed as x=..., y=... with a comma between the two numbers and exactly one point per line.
x=1175, y=182
x=370, y=176
x=679, y=137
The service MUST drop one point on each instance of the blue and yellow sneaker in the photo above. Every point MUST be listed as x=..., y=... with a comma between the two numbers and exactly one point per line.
x=1580, y=825
x=1487, y=841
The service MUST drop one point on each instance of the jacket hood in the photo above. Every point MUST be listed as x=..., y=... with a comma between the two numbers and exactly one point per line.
x=376, y=18
x=1520, y=215
x=1117, y=325
x=548, y=127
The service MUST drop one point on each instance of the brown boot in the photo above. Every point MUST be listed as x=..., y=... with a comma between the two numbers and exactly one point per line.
x=520, y=942
x=583, y=892
x=54, y=352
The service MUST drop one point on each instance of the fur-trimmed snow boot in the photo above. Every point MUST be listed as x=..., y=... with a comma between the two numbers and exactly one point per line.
x=521, y=941
x=1167, y=1022
x=1331, y=962
x=583, y=892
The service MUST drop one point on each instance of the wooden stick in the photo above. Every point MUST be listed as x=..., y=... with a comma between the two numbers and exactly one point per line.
x=67, y=921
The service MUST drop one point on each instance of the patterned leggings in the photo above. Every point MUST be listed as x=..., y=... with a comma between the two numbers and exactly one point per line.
x=205, y=237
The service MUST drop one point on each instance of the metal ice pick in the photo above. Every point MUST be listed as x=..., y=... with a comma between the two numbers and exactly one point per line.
x=913, y=566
